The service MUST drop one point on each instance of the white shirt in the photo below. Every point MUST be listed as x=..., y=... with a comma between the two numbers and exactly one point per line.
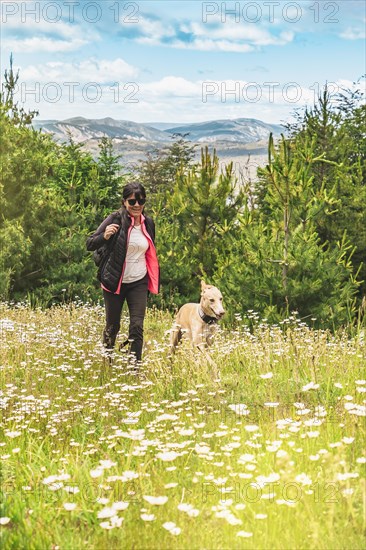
x=135, y=268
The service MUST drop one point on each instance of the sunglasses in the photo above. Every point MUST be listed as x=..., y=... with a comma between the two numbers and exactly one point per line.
x=132, y=202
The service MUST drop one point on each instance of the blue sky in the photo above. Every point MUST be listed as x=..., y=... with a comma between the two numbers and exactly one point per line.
x=179, y=61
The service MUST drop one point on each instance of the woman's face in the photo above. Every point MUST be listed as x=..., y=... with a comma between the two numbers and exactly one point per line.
x=135, y=209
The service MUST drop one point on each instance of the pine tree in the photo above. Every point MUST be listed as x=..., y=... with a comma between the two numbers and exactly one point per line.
x=284, y=265
x=338, y=126
x=24, y=165
x=110, y=180
x=201, y=210
x=158, y=171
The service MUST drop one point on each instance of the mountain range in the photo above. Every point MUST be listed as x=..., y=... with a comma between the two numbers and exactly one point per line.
x=240, y=130
x=242, y=141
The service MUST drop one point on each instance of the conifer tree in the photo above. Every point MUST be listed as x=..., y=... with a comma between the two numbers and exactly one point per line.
x=285, y=266
x=24, y=199
x=158, y=171
x=201, y=210
x=337, y=124
x=110, y=179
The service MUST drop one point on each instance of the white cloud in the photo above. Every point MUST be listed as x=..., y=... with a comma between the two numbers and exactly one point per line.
x=229, y=36
x=88, y=70
x=27, y=34
x=234, y=34
x=172, y=89
x=353, y=33
x=18, y=26
x=206, y=44
x=39, y=44
x=202, y=44
x=172, y=86
x=154, y=28
x=168, y=99
x=157, y=108
x=171, y=99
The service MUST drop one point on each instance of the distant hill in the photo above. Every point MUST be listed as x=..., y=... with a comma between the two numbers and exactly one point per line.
x=83, y=129
x=242, y=141
x=164, y=125
x=241, y=130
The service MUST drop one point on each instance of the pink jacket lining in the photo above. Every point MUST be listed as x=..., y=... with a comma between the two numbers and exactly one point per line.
x=152, y=263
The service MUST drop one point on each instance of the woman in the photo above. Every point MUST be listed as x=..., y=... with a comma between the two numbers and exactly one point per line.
x=131, y=268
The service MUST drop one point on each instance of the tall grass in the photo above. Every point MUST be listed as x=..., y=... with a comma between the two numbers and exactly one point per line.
x=270, y=456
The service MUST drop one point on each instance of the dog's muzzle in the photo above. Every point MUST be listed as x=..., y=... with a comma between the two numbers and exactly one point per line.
x=218, y=315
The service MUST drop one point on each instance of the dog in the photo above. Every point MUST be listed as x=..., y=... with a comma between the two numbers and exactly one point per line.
x=198, y=322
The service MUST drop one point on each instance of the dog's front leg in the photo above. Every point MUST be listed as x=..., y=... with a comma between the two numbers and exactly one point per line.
x=215, y=370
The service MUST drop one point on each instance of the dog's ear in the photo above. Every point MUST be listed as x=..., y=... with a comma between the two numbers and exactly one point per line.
x=204, y=286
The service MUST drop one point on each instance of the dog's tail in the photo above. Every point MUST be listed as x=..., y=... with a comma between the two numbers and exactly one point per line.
x=175, y=337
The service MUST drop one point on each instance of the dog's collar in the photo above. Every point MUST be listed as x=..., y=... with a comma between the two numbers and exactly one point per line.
x=206, y=318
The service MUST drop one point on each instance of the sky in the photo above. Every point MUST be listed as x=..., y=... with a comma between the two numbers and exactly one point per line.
x=179, y=61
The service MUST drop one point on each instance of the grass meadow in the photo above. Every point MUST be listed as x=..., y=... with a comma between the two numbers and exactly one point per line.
x=270, y=456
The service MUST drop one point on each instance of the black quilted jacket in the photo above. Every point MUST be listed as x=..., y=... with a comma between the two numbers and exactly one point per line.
x=110, y=275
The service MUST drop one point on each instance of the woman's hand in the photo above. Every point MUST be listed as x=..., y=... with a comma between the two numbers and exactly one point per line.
x=110, y=230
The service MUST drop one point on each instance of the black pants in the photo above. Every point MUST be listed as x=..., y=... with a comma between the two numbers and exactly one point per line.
x=135, y=295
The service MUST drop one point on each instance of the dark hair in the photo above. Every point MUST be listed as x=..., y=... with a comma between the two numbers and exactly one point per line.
x=136, y=188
